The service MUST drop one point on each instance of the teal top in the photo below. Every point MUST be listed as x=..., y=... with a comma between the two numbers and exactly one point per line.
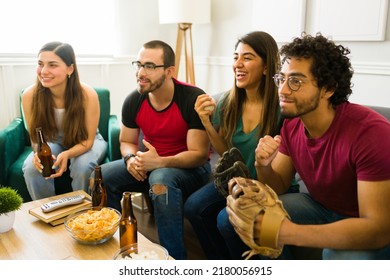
x=246, y=143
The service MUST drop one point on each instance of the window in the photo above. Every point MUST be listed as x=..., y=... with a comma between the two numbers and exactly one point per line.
x=26, y=25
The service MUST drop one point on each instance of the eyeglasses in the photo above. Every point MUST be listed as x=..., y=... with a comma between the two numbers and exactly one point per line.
x=148, y=66
x=293, y=82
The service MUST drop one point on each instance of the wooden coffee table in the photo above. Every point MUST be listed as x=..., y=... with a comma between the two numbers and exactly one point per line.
x=32, y=239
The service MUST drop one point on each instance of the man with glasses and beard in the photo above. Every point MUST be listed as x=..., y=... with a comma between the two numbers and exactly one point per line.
x=172, y=160
x=339, y=149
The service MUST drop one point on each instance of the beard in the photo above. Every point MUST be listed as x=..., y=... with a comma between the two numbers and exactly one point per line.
x=301, y=108
x=152, y=85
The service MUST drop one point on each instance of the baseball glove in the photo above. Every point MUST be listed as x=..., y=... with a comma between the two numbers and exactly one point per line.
x=248, y=199
x=230, y=164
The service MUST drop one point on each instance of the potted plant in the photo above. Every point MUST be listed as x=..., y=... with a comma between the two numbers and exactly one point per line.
x=10, y=201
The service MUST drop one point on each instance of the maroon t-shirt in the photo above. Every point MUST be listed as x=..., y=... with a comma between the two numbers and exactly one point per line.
x=355, y=147
x=165, y=130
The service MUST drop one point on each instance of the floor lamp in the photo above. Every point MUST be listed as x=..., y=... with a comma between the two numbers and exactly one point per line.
x=184, y=13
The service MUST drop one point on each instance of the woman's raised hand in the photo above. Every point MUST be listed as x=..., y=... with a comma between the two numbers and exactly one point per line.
x=205, y=106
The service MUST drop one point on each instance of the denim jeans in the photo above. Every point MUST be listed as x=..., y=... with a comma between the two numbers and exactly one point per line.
x=201, y=209
x=168, y=207
x=80, y=169
x=302, y=210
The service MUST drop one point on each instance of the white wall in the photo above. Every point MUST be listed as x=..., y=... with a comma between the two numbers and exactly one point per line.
x=137, y=22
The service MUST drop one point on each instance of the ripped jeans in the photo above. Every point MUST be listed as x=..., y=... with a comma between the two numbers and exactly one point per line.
x=178, y=184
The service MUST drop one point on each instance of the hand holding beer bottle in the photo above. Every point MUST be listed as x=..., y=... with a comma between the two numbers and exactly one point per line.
x=44, y=154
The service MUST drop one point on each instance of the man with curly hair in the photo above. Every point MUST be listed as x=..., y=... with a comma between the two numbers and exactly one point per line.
x=339, y=150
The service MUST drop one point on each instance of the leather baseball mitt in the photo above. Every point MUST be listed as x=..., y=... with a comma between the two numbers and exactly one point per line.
x=230, y=164
x=250, y=198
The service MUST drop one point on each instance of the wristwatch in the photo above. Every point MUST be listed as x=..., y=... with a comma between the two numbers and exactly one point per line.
x=127, y=157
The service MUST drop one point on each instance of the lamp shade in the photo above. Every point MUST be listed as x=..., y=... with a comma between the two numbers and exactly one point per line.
x=184, y=11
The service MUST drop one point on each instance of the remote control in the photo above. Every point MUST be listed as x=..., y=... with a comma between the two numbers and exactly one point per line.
x=62, y=202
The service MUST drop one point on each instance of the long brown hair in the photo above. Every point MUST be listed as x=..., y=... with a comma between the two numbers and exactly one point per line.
x=73, y=125
x=265, y=46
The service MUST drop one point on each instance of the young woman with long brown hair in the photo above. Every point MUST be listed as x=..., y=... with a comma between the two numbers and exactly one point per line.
x=68, y=112
x=243, y=114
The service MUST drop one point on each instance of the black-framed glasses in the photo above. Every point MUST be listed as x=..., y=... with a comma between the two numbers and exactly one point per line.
x=148, y=66
x=293, y=83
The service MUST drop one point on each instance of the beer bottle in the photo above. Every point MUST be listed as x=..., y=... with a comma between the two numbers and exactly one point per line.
x=98, y=191
x=128, y=223
x=44, y=154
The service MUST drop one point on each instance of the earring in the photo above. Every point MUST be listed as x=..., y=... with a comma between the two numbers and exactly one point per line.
x=68, y=76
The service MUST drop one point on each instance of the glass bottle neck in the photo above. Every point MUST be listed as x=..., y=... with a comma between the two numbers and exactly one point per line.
x=98, y=174
x=127, y=206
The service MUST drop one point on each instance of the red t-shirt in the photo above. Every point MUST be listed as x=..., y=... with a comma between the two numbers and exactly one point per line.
x=355, y=147
x=166, y=130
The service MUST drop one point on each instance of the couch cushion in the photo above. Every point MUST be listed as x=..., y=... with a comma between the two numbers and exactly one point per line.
x=104, y=101
x=15, y=175
x=12, y=144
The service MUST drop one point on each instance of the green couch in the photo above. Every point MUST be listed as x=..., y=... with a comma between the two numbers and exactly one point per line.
x=15, y=147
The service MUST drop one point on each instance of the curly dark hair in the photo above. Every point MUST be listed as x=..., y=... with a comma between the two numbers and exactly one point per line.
x=331, y=67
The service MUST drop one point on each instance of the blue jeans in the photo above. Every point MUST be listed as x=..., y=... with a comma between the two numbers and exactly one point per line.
x=201, y=209
x=168, y=207
x=80, y=169
x=302, y=210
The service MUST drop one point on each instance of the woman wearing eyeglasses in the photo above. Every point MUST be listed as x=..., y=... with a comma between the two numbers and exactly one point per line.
x=245, y=113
